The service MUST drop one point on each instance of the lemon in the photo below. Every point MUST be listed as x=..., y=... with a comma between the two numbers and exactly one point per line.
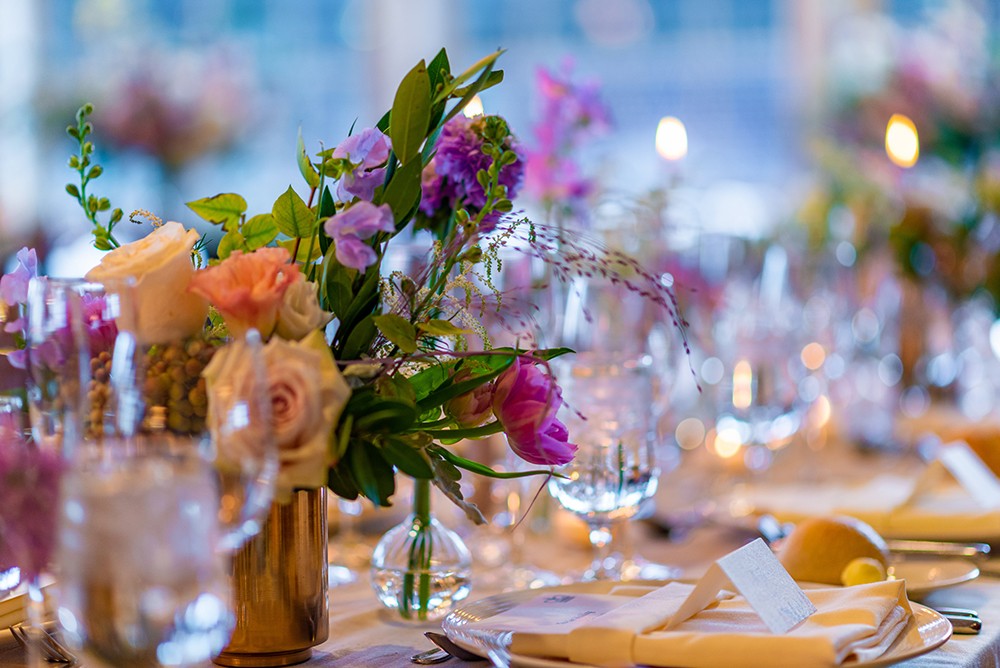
x=863, y=570
x=819, y=549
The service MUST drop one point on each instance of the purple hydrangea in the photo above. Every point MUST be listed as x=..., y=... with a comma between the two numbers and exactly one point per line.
x=351, y=227
x=368, y=150
x=449, y=181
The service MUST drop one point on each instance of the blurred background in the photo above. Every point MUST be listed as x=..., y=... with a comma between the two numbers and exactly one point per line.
x=859, y=136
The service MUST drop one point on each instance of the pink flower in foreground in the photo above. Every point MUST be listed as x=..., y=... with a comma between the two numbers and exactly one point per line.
x=29, y=484
x=248, y=288
x=526, y=401
x=351, y=227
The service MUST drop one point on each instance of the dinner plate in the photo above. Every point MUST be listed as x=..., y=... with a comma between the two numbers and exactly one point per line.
x=932, y=630
x=926, y=575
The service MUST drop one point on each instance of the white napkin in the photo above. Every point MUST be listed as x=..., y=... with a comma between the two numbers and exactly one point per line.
x=857, y=623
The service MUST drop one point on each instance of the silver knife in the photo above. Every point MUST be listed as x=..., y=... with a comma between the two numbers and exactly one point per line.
x=974, y=551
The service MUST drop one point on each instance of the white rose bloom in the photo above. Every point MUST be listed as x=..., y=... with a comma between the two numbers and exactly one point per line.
x=160, y=266
x=300, y=313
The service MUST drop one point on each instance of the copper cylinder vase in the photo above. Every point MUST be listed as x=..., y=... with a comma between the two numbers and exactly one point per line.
x=280, y=589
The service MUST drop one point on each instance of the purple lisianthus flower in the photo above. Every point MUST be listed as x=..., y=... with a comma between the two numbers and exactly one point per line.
x=369, y=150
x=450, y=179
x=351, y=227
x=29, y=484
x=526, y=401
x=14, y=286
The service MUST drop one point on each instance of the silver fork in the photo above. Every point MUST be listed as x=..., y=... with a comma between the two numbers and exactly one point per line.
x=53, y=651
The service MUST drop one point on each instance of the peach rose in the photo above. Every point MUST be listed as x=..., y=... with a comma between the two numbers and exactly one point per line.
x=160, y=266
x=248, y=288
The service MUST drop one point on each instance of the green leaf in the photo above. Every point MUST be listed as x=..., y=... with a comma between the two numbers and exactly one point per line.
x=446, y=477
x=495, y=78
x=441, y=328
x=497, y=363
x=470, y=93
x=338, y=288
x=292, y=216
x=359, y=340
x=259, y=231
x=427, y=380
x=223, y=209
x=411, y=109
x=375, y=477
x=302, y=256
x=403, y=192
x=230, y=242
x=341, y=482
x=486, y=62
x=407, y=458
x=386, y=416
x=482, y=469
x=398, y=330
x=306, y=166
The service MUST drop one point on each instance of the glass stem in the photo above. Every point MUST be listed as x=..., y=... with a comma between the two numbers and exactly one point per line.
x=600, y=540
x=36, y=620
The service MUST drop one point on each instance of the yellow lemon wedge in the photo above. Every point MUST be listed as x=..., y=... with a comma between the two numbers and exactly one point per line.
x=819, y=549
x=863, y=570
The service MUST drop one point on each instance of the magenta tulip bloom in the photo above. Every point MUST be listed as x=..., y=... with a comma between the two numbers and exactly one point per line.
x=526, y=401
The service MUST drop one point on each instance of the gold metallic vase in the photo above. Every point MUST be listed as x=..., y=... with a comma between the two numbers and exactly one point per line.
x=280, y=587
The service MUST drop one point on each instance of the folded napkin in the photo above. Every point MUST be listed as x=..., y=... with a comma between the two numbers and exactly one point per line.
x=897, y=506
x=858, y=623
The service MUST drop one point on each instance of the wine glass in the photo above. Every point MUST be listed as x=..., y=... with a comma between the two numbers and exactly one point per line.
x=607, y=412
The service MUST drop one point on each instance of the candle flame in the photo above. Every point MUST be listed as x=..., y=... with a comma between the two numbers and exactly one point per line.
x=902, y=143
x=671, y=139
x=473, y=107
x=742, y=385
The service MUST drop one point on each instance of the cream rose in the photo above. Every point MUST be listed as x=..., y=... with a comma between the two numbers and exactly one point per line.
x=160, y=266
x=308, y=394
x=300, y=313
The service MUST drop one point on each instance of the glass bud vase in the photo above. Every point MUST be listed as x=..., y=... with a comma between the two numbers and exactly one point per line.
x=420, y=569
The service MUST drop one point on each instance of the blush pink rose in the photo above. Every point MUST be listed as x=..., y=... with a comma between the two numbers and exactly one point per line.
x=248, y=288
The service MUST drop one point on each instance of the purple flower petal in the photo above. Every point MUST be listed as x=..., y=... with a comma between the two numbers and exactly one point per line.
x=354, y=253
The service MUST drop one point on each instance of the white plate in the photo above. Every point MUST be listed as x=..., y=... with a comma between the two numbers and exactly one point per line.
x=926, y=575
x=933, y=629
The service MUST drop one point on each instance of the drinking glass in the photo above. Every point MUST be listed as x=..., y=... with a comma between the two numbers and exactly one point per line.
x=142, y=579
x=608, y=414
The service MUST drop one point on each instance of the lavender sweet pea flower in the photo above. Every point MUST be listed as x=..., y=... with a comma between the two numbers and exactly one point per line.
x=526, y=401
x=14, y=286
x=369, y=150
x=351, y=227
x=29, y=480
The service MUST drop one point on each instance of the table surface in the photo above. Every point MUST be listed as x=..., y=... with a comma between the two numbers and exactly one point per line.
x=362, y=635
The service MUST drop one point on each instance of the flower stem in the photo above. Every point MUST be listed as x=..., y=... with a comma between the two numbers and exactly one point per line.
x=421, y=550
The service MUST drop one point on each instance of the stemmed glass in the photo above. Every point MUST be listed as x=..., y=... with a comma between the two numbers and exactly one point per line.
x=166, y=476
x=607, y=412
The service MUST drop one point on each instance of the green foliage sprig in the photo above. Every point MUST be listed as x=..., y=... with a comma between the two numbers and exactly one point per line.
x=104, y=238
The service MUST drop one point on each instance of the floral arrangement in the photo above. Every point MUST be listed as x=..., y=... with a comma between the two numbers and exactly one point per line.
x=368, y=372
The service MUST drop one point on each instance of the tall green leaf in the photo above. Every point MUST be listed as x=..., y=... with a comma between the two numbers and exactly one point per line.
x=411, y=110
x=223, y=209
x=292, y=216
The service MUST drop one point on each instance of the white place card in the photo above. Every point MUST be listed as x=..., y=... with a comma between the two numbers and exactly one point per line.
x=971, y=473
x=759, y=577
